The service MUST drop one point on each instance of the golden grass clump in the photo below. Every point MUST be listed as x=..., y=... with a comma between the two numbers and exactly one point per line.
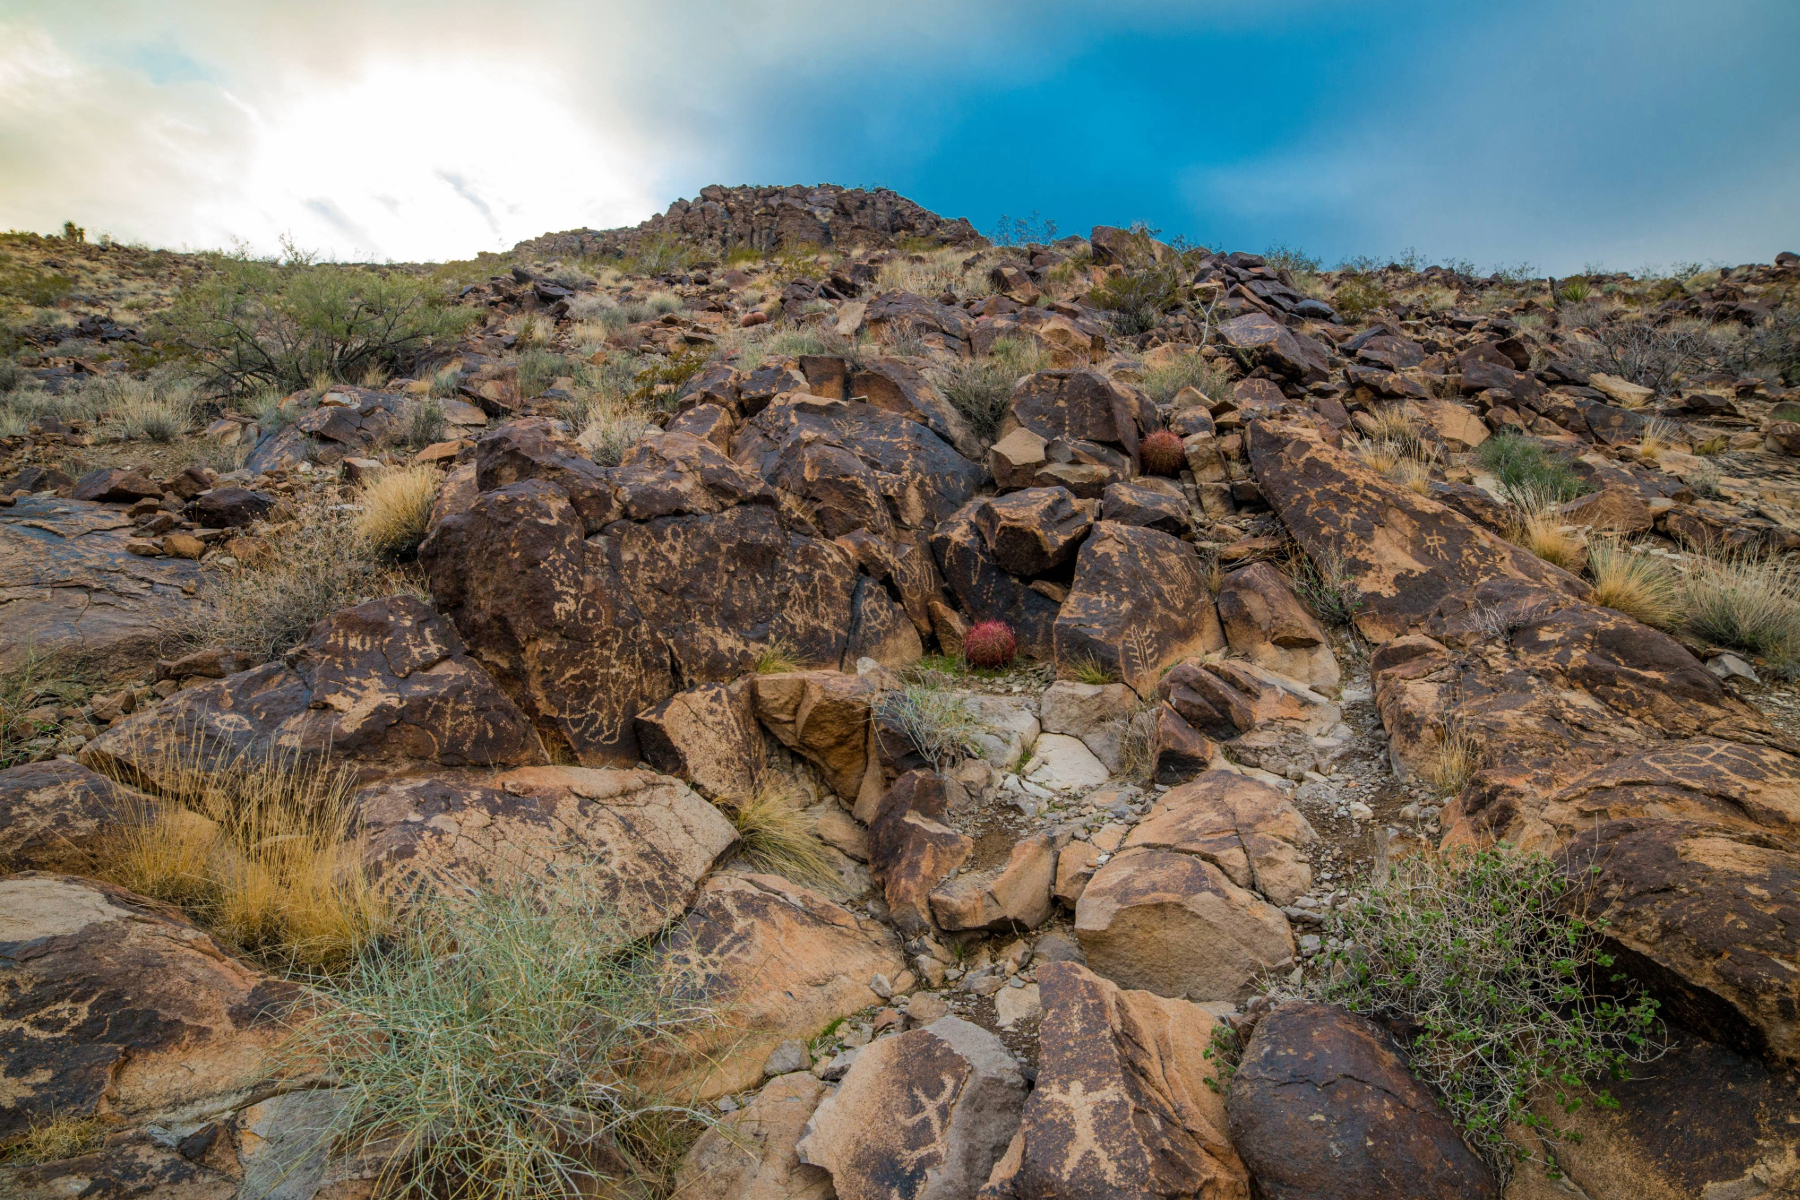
x=1746, y=602
x=1641, y=586
x=396, y=508
x=1535, y=528
x=267, y=856
x=54, y=1139
x=778, y=658
x=775, y=834
x=1454, y=760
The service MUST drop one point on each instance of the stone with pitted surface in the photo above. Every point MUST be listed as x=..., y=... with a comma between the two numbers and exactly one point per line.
x=1139, y=602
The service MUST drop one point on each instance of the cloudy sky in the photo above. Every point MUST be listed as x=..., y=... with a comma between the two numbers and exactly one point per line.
x=1555, y=132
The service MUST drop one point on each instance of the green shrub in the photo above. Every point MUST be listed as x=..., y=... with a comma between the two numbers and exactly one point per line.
x=1357, y=295
x=1326, y=586
x=445, y=383
x=980, y=389
x=500, y=1039
x=32, y=286
x=663, y=254
x=1575, y=290
x=538, y=369
x=255, y=323
x=1281, y=257
x=1510, y=993
x=1530, y=476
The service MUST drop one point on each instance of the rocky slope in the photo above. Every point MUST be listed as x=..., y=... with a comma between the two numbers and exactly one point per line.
x=1242, y=671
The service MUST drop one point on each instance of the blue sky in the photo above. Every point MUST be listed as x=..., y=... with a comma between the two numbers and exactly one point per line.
x=1559, y=134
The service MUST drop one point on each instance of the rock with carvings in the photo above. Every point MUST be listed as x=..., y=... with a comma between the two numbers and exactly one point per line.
x=750, y=1154
x=1139, y=603
x=53, y=815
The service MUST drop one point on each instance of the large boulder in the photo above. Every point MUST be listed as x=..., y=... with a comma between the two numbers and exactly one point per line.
x=69, y=585
x=1323, y=1108
x=776, y=961
x=1033, y=530
x=1124, y=1104
x=750, y=1154
x=349, y=422
x=1139, y=603
x=1270, y=343
x=1402, y=552
x=708, y=737
x=111, y=1007
x=646, y=838
x=1083, y=410
x=827, y=717
x=1012, y=893
x=986, y=591
x=384, y=685
x=1242, y=826
x=897, y=385
x=53, y=814
x=1172, y=922
x=920, y=1116
x=911, y=850
x=1264, y=622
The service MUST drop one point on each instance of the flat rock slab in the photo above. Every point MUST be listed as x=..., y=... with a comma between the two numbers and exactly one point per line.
x=68, y=584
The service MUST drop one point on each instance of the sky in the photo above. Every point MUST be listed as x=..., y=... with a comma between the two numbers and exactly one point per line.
x=1558, y=133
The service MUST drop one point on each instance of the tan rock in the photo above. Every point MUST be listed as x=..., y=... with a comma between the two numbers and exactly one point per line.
x=1075, y=865
x=1627, y=393
x=1010, y=895
x=825, y=716
x=708, y=737
x=749, y=1154
x=1266, y=623
x=1245, y=828
x=921, y=1115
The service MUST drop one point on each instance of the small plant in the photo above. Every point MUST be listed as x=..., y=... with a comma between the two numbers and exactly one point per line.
x=1326, y=585
x=989, y=645
x=1530, y=476
x=1357, y=295
x=1455, y=758
x=937, y=721
x=156, y=410
x=1510, y=993
x=37, y=682
x=1711, y=445
x=1648, y=355
x=1575, y=290
x=1165, y=380
x=1659, y=434
x=1091, y=670
x=778, y=658
x=54, y=1139
x=1282, y=257
x=500, y=1041
x=1641, y=586
x=536, y=370
x=1537, y=529
x=662, y=254
x=445, y=383
x=1162, y=453
x=981, y=390
x=265, y=856
x=396, y=509
x=424, y=422
x=775, y=834
x=1746, y=602
x=1022, y=231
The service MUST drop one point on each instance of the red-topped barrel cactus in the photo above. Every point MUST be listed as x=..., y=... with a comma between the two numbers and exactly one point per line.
x=1161, y=453
x=989, y=644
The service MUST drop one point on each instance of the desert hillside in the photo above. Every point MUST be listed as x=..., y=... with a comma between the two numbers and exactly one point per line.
x=799, y=699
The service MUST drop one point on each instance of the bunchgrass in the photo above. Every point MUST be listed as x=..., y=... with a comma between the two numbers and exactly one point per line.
x=38, y=681
x=775, y=834
x=1166, y=379
x=1510, y=996
x=1746, y=602
x=493, y=1050
x=1530, y=476
x=54, y=1139
x=1642, y=586
x=937, y=721
x=396, y=509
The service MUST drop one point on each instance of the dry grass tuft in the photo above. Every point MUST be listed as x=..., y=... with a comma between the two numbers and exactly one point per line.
x=396, y=509
x=776, y=835
x=1747, y=602
x=54, y=1139
x=1455, y=759
x=778, y=658
x=1659, y=435
x=613, y=426
x=1641, y=586
x=267, y=857
x=1536, y=528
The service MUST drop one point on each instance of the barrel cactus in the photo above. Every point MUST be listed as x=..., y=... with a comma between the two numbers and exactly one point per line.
x=989, y=644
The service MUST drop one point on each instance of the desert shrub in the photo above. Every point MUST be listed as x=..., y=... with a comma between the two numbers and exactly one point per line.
x=1645, y=354
x=1282, y=257
x=266, y=856
x=157, y=410
x=1455, y=758
x=1659, y=434
x=500, y=1041
x=1530, y=476
x=1508, y=991
x=611, y=427
x=12, y=376
x=1022, y=231
x=264, y=608
x=253, y=323
x=938, y=722
x=445, y=383
x=37, y=680
x=1746, y=602
x=808, y=339
x=775, y=834
x=980, y=389
x=1641, y=586
x=1772, y=347
x=1147, y=288
x=1162, y=381
x=1537, y=528
x=1396, y=449
x=1575, y=290
x=423, y=423
x=1357, y=294
x=778, y=658
x=663, y=254
x=1326, y=585
x=931, y=273
x=396, y=509
x=537, y=369
x=40, y=289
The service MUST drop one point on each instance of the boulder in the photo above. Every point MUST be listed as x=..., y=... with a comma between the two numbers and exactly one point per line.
x=1403, y=552
x=68, y=584
x=708, y=738
x=896, y=385
x=1139, y=602
x=750, y=1154
x=648, y=838
x=114, y=485
x=53, y=813
x=1612, y=509
x=911, y=851
x=1175, y=924
x=1080, y=408
x=1323, y=1108
x=1247, y=829
x=1178, y=750
x=984, y=589
x=1063, y=764
x=384, y=685
x=825, y=716
x=1146, y=502
x=940, y=326
x=919, y=1116
x=879, y=629
x=1031, y=531
x=1271, y=344
x=1094, y=712
x=113, y=1007
x=776, y=961
x=1122, y=1105
x=229, y=508
x=1014, y=894
x=1264, y=622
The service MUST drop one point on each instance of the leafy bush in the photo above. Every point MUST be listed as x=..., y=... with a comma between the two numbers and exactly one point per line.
x=1357, y=295
x=499, y=1042
x=1509, y=992
x=1747, y=602
x=1530, y=476
x=1282, y=257
x=265, y=856
x=936, y=720
x=396, y=509
x=1148, y=287
x=255, y=323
